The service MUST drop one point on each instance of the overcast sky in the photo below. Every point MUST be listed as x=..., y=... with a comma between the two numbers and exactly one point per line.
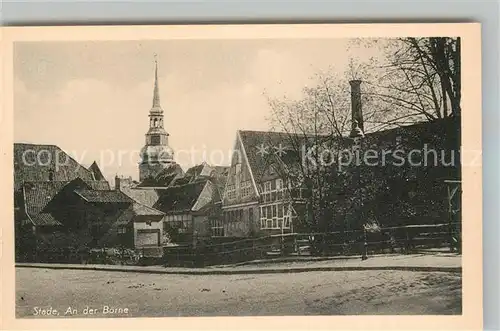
x=92, y=99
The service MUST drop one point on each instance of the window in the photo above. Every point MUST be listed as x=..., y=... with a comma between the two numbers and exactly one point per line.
x=231, y=192
x=155, y=140
x=275, y=216
x=273, y=190
x=122, y=230
x=183, y=223
x=148, y=223
x=217, y=228
x=246, y=189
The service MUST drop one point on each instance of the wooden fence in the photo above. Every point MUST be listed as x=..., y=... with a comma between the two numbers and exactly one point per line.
x=402, y=239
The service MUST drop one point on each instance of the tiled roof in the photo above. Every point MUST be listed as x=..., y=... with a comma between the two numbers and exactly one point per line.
x=181, y=181
x=259, y=162
x=111, y=196
x=164, y=177
x=292, y=143
x=34, y=162
x=204, y=171
x=146, y=196
x=221, y=170
x=36, y=196
x=98, y=185
x=94, y=168
x=447, y=127
x=195, y=170
x=125, y=217
x=137, y=209
x=219, y=178
x=180, y=198
x=142, y=210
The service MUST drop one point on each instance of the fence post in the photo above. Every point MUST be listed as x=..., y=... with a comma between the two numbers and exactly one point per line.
x=323, y=244
x=407, y=244
x=365, y=246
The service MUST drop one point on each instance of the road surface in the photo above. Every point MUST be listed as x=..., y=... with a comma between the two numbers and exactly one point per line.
x=86, y=293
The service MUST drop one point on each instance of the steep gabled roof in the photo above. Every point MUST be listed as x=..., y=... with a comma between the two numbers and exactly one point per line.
x=181, y=198
x=39, y=194
x=201, y=172
x=196, y=170
x=221, y=170
x=96, y=171
x=35, y=162
x=262, y=148
x=36, y=197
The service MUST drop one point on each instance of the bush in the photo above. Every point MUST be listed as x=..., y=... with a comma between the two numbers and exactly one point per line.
x=113, y=255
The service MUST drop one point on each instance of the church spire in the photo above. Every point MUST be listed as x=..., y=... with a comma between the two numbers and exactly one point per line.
x=156, y=108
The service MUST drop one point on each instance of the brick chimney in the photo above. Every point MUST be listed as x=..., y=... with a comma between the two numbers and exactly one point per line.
x=122, y=182
x=357, y=126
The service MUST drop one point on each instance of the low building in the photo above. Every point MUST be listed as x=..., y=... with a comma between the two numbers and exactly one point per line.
x=186, y=207
x=141, y=227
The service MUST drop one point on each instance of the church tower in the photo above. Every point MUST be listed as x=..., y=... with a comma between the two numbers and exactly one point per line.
x=156, y=155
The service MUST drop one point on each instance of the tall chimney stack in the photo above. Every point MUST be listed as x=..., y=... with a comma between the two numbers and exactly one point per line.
x=118, y=186
x=357, y=126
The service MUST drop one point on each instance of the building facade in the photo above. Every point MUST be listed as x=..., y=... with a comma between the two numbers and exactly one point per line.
x=259, y=199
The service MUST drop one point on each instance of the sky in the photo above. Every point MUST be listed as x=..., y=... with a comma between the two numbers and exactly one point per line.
x=92, y=99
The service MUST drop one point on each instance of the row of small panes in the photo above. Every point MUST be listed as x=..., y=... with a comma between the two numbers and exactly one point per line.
x=275, y=223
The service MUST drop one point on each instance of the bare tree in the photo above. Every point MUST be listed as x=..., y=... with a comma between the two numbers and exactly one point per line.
x=412, y=80
x=417, y=79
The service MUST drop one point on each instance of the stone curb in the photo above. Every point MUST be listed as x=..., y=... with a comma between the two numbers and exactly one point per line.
x=246, y=271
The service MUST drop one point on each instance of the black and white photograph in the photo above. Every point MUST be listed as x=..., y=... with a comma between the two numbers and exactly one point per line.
x=238, y=176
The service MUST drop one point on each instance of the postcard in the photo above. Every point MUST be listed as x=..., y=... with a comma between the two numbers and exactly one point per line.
x=288, y=176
